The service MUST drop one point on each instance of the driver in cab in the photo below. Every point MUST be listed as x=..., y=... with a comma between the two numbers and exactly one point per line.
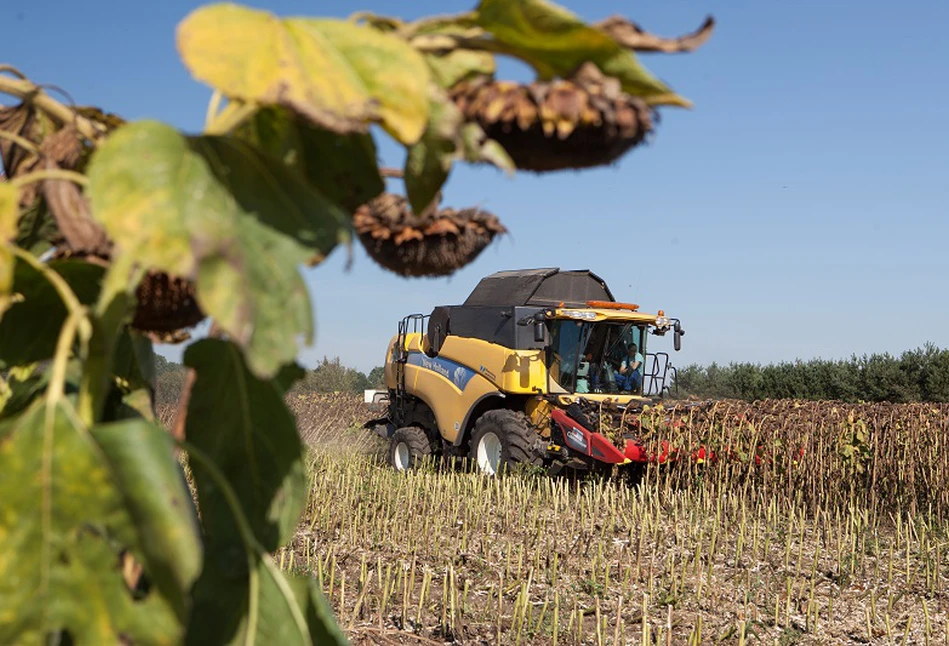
x=630, y=375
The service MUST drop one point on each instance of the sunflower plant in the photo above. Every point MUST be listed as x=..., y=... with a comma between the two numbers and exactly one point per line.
x=115, y=235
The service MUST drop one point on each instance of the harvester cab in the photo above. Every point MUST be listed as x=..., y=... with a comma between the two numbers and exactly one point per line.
x=541, y=367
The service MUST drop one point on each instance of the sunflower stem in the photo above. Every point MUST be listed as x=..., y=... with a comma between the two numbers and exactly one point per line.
x=29, y=92
x=22, y=142
x=233, y=115
x=50, y=173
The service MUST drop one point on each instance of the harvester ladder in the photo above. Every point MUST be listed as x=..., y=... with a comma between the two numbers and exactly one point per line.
x=411, y=324
x=654, y=381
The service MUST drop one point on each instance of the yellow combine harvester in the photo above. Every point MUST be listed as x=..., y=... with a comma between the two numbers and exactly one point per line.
x=530, y=369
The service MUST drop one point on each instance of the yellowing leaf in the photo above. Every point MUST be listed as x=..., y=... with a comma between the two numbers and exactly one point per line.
x=63, y=526
x=7, y=262
x=555, y=42
x=337, y=74
x=9, y=210
x=218, y=211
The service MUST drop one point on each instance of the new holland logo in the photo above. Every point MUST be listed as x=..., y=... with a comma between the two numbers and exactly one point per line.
x=456, y=373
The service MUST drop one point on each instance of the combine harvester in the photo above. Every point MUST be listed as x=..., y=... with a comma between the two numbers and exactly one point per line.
x=539, y=367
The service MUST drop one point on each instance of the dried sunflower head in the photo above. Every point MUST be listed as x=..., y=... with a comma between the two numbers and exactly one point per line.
x=434, y=243
x=580, y=122
x=166, y=304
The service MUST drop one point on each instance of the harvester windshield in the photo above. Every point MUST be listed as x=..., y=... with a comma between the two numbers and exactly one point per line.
x=597, y=357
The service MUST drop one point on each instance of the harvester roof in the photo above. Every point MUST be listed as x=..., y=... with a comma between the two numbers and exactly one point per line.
x=547, y=287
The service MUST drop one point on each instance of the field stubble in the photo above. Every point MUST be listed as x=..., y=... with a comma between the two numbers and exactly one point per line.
x=816, y=523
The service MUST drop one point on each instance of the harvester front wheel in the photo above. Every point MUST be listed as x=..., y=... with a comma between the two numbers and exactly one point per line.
x=408, y=446
x=503, y=438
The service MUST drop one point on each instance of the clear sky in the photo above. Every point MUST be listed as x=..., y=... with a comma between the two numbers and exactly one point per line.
x=798, y=211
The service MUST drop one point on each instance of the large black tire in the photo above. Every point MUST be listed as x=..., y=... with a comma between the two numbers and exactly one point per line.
x=503, y=439
x=408, y=446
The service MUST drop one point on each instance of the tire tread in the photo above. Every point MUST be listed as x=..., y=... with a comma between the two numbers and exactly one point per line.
x=520, y=443
x=420, y=446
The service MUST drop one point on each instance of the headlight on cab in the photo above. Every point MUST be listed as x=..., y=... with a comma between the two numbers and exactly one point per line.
x=661, y=320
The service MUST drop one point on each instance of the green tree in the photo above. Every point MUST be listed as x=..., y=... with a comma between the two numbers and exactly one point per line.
x=376, y=377
x=934, y=380
x=330, y=376
x=917, y=375
x=170, y=380
x=883, y=380
x=745, y=380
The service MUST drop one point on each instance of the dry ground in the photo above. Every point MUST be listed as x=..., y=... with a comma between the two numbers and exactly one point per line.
x=692, y=554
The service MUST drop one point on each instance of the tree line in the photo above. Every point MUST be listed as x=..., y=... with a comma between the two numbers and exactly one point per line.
x=329, y=375
x=916, y=375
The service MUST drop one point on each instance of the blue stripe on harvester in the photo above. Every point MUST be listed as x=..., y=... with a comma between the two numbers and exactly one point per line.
x=455, y=372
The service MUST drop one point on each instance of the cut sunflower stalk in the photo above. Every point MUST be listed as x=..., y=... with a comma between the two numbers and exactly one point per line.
x=582, y=121
x=435, y=242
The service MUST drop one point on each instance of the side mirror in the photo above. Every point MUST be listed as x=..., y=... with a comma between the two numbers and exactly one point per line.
x=539, y=330
x=677, y=337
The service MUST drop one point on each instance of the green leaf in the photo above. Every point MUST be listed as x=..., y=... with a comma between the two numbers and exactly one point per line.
x=278, y=197
x=337, y=74
x=478, y=148
x=343, y=168
x=458, y=65
x=317, y=611
x=555, y=42
x=222, y=213
x=121, y=405
x=23, y=384
x=30, y=327
x=446, y=139
x=133, y=361
x=242, y=423
x=429, y=161
x=63, y=527
x=448, y=63
x=142, y=458
x=221, y=607
x=37, y=228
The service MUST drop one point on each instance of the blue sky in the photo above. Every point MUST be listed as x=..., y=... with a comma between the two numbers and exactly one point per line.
x=798, y=211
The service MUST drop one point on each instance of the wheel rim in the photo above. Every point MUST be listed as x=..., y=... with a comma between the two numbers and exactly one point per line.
x=489, y=453
x=402, y=456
